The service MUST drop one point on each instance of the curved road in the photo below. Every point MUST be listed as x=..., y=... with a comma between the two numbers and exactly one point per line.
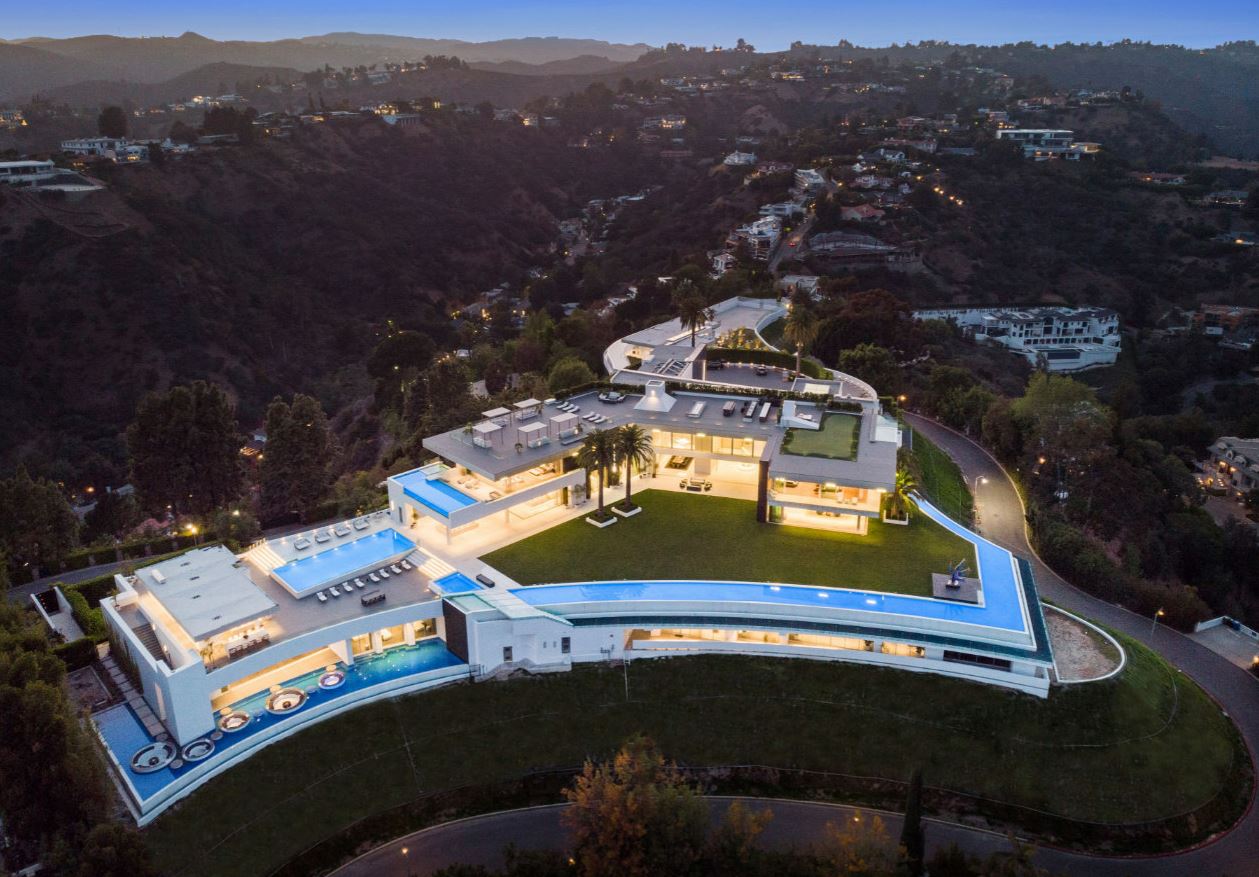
x=481, y=839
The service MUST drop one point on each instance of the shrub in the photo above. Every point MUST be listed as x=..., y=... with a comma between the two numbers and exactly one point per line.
x=78, y=654
x=92, y=620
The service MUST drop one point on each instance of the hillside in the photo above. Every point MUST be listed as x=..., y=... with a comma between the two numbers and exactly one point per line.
x=269, y=268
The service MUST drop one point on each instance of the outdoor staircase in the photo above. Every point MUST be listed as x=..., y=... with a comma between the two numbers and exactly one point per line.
x=264, y=557
x=137, y=703
x=431, y=566
x=144, y=633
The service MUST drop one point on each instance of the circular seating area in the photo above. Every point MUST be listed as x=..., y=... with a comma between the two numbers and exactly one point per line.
x=198, y=750
x=285, y=701
x=332, y=679
x=154, y=757
x=234, y=721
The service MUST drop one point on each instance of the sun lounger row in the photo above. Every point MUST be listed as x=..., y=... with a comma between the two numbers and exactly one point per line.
x=569, y=408
x=596, y=418
x=376, y=577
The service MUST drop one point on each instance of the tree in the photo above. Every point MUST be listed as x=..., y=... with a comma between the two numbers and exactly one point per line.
x=357, y=493
x=112, y=515
x=448, y=399
x=900, y=502
x=234, y=526
x=1063, y=423
x=634, y=816
x=873, y=364
x=37, y=525
x=859, y=846
x=185, y=449
x=693, y=311
x=598, y=454
x=297, y=462
x=913, y=838
x=112, y=850
x=112, y=122
x=801, y=329
x=567, y=373
x=632, y=446
x=733, y=845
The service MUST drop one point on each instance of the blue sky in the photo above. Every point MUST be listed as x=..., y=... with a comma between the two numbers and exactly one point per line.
x=768, y=25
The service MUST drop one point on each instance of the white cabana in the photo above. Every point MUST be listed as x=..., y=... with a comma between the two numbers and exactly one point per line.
x=534, y=434
x=566, y=424
x=496, y=413
x=528, y=408
x=483, y=434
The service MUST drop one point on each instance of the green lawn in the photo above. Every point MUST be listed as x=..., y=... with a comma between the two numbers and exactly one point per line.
x=684, y=536
x=773, y=333
x=941, y=480
x=1143, y=746
x=836, y=440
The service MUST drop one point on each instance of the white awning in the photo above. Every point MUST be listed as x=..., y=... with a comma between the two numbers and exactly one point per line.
x=528, y=403
x=530, y=428
x=496, y=412
x=486, y=428
x=563, y=419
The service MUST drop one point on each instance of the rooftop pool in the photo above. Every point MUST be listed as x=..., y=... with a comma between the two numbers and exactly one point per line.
x=456, y=583
x=340, y=562
x=433, y=493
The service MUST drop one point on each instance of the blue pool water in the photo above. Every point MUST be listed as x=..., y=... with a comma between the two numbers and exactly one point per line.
x=336, y=564
x=456, y=583
x=1001, y=609
x=124, y=734
x=435, y=494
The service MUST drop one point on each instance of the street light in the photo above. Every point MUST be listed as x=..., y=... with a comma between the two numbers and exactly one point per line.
x=1154, y=623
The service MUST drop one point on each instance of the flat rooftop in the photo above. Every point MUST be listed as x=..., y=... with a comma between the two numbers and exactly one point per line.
x=206, y=591
x=728, y=316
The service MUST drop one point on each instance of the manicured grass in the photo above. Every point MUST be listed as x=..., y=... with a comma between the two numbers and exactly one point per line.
x=683, y=536
x=1143, y=746
x=773, y=333
x=941, y=480
x=836, y=440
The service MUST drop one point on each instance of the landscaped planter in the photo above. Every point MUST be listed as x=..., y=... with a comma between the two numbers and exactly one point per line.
x=595, y=522
x=617, y=510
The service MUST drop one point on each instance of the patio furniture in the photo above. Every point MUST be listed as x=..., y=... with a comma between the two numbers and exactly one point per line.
x=494, y=494
x=360, y=584
x=332, y=589
x=374, y=578
x=301, y=544
x=322, y=537
x=361, y=524
x=406, y=564
x=323, y=598
x=396, y=569
x=341, y=530
x=485, y=580
x=384, y=573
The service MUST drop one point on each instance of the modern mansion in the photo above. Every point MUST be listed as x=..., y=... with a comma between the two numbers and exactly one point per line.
x=227, y=653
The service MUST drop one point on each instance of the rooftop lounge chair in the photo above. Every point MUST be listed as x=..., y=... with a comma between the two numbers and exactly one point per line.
x=323, y=598
x=301, y=544
x=362, y=524
x=322, y=536
x=397, y=570
x=342, y=530
x=375, y=578
x=406, y=564
x=360, y=583
x=384, y=573
x=332, y=589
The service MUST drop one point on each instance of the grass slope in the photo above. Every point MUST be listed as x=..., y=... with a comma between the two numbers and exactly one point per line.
x=941, y=480
x=681, y=536
x=1145, y=745
x=836, y=440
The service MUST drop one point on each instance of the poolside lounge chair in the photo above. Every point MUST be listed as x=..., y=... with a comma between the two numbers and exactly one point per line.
x=341, y=530
x=323, y=598
x=301, y=544
x=362, y=524
x=374, y=578
x=406, y=564
x=384, y=573
x=322, y=536
x=397, y=570
x=332, y=589
x=360, y=584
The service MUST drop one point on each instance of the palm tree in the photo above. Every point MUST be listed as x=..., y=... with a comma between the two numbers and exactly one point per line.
x=598, y=453
x=801, y=329
x=633, y=448
x=693, y=311
x=901, y=500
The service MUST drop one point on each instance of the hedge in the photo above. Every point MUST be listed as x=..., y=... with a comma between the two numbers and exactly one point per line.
x=99, y=554
x=77, y=654
x=90, y=619
x=779, y=358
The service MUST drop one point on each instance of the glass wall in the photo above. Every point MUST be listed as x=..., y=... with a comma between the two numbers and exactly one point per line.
x=680, y=440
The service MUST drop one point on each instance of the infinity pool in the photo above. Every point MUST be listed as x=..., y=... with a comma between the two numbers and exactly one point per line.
x=433, y=493
x=125, y=735
x=456, y=583
x=336, y=564
x=1001, y=605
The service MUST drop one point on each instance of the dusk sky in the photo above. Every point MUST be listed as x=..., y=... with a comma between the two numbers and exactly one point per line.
x=769, y=26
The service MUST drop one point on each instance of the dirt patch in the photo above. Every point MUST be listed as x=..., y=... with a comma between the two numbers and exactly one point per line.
x=1080, y=653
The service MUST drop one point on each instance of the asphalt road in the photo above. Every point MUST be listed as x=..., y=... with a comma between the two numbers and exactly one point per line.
x=798, y=824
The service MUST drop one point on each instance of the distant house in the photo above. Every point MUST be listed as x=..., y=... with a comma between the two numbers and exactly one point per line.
x=721, y=262
x=785, y=209
x=1158, y=179
x=739, y=159
x=1227, y=198
x=1235, y=464
x=790, y=283
x=1058, y=339
x=403, y=120
x=118, y=149
x=759, y=237
x=1043, y=144
x=1219, y=320
x=378, y=77
x=861, y=213
x=810, y=180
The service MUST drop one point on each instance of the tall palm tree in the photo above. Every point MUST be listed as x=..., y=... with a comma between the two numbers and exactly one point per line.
x=598, y=454
x=693, y=311
x=901, y=500
x=633, y=448
x=801, y=329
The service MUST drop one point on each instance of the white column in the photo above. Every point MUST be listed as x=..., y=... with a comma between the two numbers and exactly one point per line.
x=408, y=633
x=378, y=644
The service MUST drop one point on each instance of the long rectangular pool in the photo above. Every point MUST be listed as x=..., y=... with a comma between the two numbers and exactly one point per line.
x=338, y=563
x=433, y=493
